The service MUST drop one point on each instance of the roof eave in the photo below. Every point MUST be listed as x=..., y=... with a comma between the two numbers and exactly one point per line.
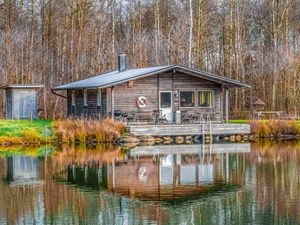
x=22, y=86
x=219, y=79
x=118, y=82
x=211, y=77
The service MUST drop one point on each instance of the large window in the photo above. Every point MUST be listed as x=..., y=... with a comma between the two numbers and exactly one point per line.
x=187, y=99
x=205, y=98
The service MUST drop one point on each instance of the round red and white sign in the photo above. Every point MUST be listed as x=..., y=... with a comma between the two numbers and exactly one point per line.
x=141, y=102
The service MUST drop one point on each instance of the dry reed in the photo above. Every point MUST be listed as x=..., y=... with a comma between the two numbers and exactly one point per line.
x=88, y=130
x=276, y=128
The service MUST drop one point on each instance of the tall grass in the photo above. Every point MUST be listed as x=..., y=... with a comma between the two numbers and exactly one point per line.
x=88, y=130
x=275, y=128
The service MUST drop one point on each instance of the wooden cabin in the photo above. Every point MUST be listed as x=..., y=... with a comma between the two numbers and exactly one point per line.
x=173, y=91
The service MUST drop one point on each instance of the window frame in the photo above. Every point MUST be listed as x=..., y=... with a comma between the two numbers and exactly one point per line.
x=212, y=99
x=187, y=90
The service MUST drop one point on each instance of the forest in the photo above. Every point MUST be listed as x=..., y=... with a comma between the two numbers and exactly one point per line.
x=53, y=42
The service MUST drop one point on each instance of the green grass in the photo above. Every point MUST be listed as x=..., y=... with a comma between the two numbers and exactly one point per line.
x=239, y=121
x=247, y=121
x=15, y=128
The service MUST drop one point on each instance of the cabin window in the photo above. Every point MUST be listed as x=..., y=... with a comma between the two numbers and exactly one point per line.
x=205, y=98
x=85, y=100
x=187, y=99
x=73, y=98
x=165, y=100
x=99, y=97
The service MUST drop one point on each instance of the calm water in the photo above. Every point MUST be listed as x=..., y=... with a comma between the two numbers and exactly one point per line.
x=191, y=184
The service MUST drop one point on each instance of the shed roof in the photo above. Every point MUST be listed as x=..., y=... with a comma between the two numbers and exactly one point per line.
x=115, y=77
x=22, y=86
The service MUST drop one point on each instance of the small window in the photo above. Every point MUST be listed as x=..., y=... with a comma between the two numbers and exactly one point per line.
x=187, y=99
x=205, y=98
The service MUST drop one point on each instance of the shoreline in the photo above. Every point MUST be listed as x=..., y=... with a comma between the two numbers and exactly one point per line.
x=84, y=131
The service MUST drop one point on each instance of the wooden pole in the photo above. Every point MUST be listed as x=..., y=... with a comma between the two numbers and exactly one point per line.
x=226, y=104
x=112, y=103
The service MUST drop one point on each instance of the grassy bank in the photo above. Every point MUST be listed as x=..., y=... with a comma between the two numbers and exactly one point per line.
x=24, y=132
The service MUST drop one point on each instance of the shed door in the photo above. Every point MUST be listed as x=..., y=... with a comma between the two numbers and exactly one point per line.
x=27, y=104
x=165, y=104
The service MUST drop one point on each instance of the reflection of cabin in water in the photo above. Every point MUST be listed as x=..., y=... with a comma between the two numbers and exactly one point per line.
x=151, y=173
x=162, y=94
x=22, y=170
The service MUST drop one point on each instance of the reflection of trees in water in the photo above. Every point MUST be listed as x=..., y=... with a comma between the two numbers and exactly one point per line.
x=83, y=156
x=271, y=170
x=58, y=199
x=277, y=174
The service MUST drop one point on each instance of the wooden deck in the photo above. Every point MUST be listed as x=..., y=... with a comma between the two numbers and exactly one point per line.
x=190, y=149
x=187, y=129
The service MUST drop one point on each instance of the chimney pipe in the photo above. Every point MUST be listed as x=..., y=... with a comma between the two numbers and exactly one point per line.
x=122, y=62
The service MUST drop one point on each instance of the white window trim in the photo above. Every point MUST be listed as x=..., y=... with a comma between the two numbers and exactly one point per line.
x=85, y=98
x=99, y=97
x=195, y=100
x=212, y=96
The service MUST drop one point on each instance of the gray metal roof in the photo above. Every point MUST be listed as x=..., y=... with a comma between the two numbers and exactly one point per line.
x=22, y=86
x=116, y=77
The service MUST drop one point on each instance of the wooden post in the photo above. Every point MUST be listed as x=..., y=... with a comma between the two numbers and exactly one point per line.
x=112, y=103
x=44, y=103
x=226, y=104
x=222, y=102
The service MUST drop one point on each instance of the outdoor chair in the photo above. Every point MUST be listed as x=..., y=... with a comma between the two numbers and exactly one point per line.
x=130, y=118
x=185, y=117
x=158, y=117
x=190, y=117
x=118, y=115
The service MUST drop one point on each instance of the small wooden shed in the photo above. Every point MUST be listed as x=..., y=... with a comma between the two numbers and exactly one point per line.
x=21, y=101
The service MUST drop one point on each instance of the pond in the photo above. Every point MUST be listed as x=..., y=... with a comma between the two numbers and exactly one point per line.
x=241, y=183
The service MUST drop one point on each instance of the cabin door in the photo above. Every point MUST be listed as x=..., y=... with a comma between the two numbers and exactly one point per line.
x=165, y=104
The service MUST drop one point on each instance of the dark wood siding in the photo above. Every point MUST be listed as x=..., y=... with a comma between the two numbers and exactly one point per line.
x=92, y=109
